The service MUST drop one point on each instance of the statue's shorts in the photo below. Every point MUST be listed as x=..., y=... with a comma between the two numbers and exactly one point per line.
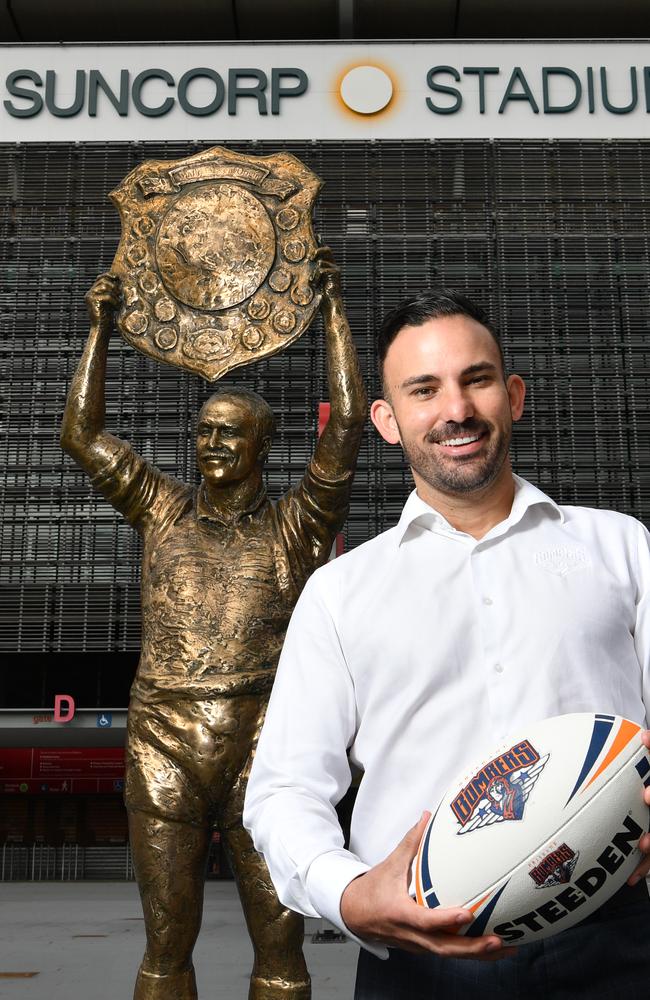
x=188, y=761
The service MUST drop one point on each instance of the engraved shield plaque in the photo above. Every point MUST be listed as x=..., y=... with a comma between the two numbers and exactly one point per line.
x=216, y=258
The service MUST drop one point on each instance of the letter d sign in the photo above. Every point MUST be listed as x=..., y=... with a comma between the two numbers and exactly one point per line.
x=63, y=703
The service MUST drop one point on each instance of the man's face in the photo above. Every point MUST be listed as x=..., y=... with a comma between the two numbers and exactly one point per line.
x=449, y=405
x=228, y=445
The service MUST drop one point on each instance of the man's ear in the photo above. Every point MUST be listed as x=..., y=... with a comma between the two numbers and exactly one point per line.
x=265, y=449
x=382, y=416
x=517, y=393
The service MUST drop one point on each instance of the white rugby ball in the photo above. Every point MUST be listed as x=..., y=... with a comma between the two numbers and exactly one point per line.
x=541, y=832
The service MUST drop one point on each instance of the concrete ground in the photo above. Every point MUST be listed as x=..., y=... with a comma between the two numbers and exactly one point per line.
x=84, y=941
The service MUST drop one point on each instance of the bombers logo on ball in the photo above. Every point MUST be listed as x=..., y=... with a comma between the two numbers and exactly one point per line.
x=500, y=789
x=556, y=868
x=578, y=891
x=216, y=258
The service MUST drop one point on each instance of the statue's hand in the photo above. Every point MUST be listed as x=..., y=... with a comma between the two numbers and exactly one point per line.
x=103, y=300
x=327, y=277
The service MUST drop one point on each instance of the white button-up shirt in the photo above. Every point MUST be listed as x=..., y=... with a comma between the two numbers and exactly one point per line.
x=421, y=649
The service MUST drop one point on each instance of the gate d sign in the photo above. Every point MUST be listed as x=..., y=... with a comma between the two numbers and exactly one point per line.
x=63, y=703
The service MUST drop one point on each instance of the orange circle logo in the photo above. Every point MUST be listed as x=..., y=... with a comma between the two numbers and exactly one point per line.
x=366, y=89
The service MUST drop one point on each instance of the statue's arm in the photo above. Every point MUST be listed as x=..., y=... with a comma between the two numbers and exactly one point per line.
x=83, y=433
x=315, y=511
x=338, y=446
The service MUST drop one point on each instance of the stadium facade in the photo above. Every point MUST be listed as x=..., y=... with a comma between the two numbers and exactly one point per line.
x=515, y=171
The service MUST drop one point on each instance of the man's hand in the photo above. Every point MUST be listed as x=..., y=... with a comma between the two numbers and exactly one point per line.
x=327, y=277
x=643, y=869
x=376, y=906
x=103, y=300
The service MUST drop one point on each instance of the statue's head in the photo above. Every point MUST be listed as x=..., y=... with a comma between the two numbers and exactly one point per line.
x=233, y=436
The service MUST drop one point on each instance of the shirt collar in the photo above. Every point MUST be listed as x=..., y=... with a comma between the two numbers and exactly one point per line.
x=417, y=512
x=206, y=512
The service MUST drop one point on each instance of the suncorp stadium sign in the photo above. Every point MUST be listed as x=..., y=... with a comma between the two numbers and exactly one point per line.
x=325, y=91
x=150, y=91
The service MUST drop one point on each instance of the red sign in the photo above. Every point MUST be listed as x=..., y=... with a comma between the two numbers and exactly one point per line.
x=61, y=769
x=74, y=786
x=15, y=763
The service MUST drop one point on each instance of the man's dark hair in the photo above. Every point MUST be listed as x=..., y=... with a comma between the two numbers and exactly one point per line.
x=430, y=305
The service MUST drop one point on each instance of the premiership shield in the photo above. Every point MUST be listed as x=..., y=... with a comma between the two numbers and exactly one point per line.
x=216, y=258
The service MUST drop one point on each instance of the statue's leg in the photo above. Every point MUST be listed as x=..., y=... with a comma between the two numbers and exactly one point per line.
x=169, y=859
x=279, y=971
x=184, y=762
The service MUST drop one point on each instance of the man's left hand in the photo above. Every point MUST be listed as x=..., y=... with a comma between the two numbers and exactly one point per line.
x=643, y=869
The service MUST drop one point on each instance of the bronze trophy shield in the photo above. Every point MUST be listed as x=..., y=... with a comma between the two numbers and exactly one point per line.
x=216, y=258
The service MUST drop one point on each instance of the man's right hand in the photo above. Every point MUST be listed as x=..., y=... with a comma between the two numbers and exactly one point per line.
x=376, y=906
x=103, y=300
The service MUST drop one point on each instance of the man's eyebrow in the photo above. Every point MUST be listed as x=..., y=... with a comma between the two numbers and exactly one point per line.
x=418, y=380
x=479, y=366
x=211, y=422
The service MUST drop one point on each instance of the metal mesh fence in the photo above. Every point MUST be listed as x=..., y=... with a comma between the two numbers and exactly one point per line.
x=550, y=237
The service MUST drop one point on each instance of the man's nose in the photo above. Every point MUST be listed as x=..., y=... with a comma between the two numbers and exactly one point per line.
x=215, y=437
x=457, y=405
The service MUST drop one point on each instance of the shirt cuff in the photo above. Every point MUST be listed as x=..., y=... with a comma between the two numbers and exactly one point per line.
x=327, y=878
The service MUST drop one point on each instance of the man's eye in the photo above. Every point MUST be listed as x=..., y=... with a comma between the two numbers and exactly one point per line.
x=424, y=390
x=478, y=379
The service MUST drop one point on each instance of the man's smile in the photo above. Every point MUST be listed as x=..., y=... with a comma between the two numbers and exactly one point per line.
x=466, y=445
x=459, y=440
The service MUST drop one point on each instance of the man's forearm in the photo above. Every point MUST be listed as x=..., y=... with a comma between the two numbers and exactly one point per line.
x=347, y=393
x=84, y=416
x=338, y=445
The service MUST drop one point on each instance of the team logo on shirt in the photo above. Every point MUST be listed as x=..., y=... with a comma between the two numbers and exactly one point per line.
x=556, y=868
x=562, y=559
x=500, y=789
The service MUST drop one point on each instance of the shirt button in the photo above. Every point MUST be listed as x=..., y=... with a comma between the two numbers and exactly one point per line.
x=498, y=667
x=487, y=600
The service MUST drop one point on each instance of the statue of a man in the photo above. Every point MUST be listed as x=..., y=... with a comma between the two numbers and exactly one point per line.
x=222, y=568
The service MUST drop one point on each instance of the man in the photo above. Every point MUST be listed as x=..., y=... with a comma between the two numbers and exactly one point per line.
x=462, y=619
x=222, y=569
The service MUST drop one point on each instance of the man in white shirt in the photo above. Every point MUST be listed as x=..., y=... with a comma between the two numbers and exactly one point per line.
x=486, y=608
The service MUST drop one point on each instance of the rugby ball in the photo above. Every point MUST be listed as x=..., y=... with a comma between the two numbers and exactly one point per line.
x=540, y=833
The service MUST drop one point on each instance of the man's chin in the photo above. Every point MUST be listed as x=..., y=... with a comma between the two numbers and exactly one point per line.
x=476, y=482
x=463, y=477
x=218, y=477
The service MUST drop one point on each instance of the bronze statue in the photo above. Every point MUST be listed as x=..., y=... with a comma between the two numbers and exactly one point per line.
x=222, y=569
